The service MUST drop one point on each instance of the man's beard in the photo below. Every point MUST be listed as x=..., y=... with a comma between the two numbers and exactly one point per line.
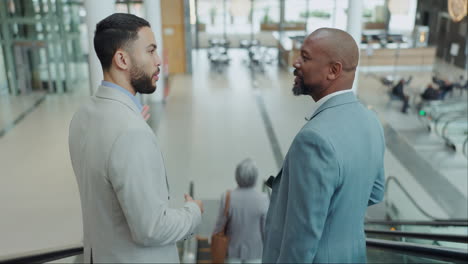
x=141, y=82
x=299, y=87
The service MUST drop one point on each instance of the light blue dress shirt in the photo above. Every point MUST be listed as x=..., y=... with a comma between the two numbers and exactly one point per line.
x=134, y=98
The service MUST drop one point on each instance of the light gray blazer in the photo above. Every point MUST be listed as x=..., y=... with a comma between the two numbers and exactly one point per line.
x=332, y=172
x=247, y=213
x=123, y=186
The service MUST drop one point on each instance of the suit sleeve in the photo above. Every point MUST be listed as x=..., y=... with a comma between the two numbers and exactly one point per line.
x=134, y=167
x=378, y=189
x=314, y=174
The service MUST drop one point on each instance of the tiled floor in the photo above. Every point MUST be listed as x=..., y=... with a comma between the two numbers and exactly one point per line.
x=13, y=107
x=210, y=122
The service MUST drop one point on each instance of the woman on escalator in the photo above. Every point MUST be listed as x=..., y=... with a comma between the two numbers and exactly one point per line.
x=245, y=216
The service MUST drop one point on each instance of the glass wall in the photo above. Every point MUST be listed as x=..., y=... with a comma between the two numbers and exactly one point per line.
x=235, y=20
x=41, y=41
x=260, y=18
x=134, y=7
x=3, y=79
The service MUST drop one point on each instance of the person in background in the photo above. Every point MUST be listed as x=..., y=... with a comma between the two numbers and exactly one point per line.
x=246, y=216
x=445, y=88
x=430, y=93
x=398, y=91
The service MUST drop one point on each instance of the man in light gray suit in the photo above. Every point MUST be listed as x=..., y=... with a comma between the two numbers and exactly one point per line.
x=117, y=163
x=334, y=168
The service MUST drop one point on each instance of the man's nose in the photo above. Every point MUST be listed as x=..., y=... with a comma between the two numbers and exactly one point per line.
x=157, y=60
x=296, y=64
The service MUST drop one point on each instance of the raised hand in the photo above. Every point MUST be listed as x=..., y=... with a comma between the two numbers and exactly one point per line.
x=189, y=198
x=144, y=112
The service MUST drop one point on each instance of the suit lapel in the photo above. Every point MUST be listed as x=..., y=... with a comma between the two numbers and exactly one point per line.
x=105, y=92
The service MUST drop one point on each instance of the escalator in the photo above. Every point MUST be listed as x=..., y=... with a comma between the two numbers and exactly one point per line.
x=417, y=241
x=430, y=241
x=387, y=242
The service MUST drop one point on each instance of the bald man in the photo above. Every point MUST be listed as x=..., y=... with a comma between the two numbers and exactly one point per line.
x=334, y=168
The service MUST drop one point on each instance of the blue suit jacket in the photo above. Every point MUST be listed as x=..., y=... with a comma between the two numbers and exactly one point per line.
x=332, y=172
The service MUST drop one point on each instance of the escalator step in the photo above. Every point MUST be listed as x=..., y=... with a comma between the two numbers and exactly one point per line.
x=203, y=251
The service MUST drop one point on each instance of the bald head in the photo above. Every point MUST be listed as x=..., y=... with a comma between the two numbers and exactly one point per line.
x=338, y=45
x=326, y=64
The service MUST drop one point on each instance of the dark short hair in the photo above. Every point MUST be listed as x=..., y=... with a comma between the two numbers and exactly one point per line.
x=114, y=32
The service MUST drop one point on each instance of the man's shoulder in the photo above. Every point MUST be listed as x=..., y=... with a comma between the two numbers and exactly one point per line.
x=107, y=115
x=312, y=135
x=108, y=108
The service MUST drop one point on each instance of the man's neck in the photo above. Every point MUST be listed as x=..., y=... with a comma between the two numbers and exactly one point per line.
x=339, y=86
x=327, y=92
x=120, y=81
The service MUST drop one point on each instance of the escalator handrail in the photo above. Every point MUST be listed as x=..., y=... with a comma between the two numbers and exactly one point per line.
x=420, y=209
x=428, y=236
x=451, y=222
x=436, y=252
x=429, y=251
x=447, y=123
x=447, y=117
x=47, y=255
x=437, y=119
x=42, y=256
x=465, y=148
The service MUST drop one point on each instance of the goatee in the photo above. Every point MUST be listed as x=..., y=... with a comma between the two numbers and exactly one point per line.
x=299, y=88
x=141, y=82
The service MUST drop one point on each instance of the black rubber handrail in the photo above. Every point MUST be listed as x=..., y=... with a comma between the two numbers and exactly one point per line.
x=427, y=236
x=437, y=119
x=443, y=130
x=42, y=256
x=48, y=255
x=465, y=147
x=426, y=251
x=420, y=209
x=451, y=222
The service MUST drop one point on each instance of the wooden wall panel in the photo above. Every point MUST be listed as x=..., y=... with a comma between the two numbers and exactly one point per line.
x=172, y=12
x=411, y=56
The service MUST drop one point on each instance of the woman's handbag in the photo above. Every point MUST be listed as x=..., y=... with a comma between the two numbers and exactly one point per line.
x=220, y=240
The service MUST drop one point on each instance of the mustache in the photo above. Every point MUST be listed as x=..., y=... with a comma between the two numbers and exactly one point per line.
x=296, y=73
x=157, y=72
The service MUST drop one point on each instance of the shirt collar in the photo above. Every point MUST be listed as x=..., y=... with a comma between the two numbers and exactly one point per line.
x=326, y=98
x=134, y=98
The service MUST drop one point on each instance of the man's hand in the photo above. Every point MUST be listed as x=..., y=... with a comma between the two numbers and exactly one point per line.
x=144, y=112
x=189, y=198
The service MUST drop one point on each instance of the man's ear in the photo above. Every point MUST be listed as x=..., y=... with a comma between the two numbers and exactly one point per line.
x=121, y=59
x=335, y=70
